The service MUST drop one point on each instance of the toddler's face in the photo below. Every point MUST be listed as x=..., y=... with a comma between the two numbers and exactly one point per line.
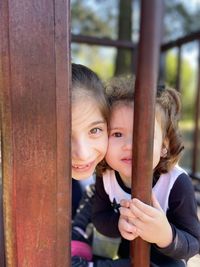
x=119, y=153
x=158, y=143
x=89, y=137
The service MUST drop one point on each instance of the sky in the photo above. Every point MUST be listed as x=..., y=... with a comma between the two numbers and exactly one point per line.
x=191, y=3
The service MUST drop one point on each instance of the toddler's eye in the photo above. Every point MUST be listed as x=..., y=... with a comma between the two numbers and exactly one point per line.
x=95, y=130
x=117, y=134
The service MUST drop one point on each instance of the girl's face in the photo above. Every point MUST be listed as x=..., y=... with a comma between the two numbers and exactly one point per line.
x=89, y=137
x=119, y=153
x=158, y=143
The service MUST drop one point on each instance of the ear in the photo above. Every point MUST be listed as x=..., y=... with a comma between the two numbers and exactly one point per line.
x=165, y=148
x=163, y=153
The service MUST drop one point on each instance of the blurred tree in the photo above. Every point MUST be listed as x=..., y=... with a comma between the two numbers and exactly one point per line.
x=98, y=19
x=124, y=57
x=88, y=20
x=179, y=19
x=113, y=19
x=187, y=82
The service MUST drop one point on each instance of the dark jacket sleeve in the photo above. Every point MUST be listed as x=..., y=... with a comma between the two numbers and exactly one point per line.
x=182, y=215
x=104, y=217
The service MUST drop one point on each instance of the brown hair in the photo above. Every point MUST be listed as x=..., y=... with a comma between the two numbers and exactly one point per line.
x=85, y=82
x=168, y=108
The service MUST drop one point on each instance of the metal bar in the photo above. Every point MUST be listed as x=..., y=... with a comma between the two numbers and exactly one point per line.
x=78, y=38
x=180, y=41
x=83, y=39
x=195, y=176
x=178, y=71
x=162, y=74
x=196, y=119
x=144, y=115
x=35, y=110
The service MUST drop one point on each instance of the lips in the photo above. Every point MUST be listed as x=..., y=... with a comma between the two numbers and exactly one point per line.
x=82, y=167
x=127, y=160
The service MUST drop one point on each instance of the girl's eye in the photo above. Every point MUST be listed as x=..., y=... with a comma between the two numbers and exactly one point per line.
x=95, y=130
x=117, y=134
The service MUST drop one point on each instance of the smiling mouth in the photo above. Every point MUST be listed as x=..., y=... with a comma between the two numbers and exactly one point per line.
x=81, y=167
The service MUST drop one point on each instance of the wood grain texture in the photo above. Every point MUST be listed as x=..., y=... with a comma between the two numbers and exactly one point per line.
x=35, y=103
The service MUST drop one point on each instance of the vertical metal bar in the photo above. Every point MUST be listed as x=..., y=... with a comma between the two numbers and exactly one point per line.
x=197, y=119
x=7, y=140
x=178, y=71
x=35, y=111
x=162, y=70
x=146, y=81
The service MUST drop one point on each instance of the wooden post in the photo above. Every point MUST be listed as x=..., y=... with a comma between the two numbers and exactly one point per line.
x=144, y=103
x=35, y=113
x=2, y=247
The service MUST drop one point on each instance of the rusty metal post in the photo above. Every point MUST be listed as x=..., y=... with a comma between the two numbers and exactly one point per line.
x=197, y=123
x=145, y=91
x=35, y=113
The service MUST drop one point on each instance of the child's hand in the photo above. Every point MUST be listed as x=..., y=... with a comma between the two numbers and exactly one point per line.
x=127, y=229
x=151, y=222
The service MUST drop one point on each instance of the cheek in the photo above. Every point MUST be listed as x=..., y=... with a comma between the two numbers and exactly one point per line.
x=156, y=160
x=104, y=145
x=156, y=154
x=110, y=150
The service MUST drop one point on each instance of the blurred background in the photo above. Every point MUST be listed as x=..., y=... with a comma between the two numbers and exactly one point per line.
x=95, y=24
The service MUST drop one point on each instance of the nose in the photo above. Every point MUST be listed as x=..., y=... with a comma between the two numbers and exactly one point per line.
x=80, y=149
x=128, y=143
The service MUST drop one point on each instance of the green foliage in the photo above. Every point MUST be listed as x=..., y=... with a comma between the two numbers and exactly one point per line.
x=98, y=59
x=93, y=18
x=98, y=19
x=187, y=86
x=179, y=19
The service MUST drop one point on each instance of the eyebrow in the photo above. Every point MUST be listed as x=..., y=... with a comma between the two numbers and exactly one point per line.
x=115, y=128
x=97, y=122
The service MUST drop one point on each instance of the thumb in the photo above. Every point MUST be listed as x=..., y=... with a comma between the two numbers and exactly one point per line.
x=155, y=202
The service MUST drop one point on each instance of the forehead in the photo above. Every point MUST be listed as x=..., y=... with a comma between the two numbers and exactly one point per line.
x=85, y=113
x=160, y=116
x=122, y=105
x=120, y=113
x=80, y=92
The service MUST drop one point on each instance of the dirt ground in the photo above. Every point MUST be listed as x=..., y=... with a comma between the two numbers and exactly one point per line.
x=194, y=261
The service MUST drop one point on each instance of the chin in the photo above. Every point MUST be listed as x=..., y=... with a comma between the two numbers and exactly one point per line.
x=81, y=176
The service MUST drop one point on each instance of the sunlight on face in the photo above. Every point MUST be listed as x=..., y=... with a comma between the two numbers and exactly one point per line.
x=89, y=137
x=158, y=143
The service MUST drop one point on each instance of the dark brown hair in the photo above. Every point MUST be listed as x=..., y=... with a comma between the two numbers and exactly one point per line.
x=85, y=82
